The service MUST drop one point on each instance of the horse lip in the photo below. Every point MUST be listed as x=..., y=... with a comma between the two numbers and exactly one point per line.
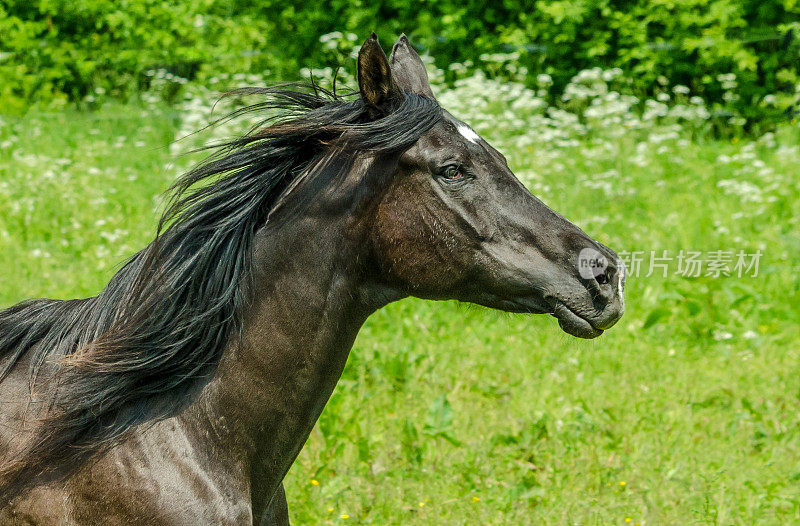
x=573, y=323
x=570, y=321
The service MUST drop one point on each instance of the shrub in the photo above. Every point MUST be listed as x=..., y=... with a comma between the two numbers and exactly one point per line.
x=740, y=55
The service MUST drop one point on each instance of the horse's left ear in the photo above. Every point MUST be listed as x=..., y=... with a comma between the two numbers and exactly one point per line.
x=408, y=69
x=378, y=90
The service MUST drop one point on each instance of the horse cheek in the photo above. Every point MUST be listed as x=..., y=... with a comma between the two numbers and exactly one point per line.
x=415, y=252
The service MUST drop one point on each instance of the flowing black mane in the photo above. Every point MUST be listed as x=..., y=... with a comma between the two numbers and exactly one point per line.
x=141, y=349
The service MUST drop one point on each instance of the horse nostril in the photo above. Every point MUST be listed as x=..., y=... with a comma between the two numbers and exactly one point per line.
x=605, y=276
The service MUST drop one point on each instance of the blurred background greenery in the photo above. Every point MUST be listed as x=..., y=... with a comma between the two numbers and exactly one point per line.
x=668, y=125
x=62, y=50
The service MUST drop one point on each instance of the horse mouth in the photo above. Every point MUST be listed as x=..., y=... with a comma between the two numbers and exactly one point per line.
x=574, y=324
x=570, y=322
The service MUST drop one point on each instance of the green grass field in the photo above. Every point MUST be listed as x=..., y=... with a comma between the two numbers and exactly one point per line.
x=688, y=411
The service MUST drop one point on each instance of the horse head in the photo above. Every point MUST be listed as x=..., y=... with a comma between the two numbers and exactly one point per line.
x=454, y=222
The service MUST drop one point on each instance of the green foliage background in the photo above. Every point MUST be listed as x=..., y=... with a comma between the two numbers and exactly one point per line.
x=59, y=50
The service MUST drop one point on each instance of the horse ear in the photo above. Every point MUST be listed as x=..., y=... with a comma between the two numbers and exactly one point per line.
x=378, y=90
x=408, y=69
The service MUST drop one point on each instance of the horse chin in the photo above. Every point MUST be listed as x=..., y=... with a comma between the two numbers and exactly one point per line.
x=528, y=305
x=573, y=324
x=568, y=320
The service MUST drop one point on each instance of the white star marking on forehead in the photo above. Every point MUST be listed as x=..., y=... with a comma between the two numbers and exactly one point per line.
x=468, y=133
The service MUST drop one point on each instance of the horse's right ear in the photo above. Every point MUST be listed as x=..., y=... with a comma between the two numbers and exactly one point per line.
x=408, y=69
x=378, y=90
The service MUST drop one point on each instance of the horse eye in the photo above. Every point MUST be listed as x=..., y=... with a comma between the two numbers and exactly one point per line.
x=452, y=173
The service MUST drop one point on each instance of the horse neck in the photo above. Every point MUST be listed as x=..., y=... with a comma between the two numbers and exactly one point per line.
x=308, y=303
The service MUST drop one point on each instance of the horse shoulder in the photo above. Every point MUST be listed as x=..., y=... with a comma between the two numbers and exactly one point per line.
x=155, y=477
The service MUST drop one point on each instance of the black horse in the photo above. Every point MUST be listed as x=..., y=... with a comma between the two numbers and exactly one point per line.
x=183, y=392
